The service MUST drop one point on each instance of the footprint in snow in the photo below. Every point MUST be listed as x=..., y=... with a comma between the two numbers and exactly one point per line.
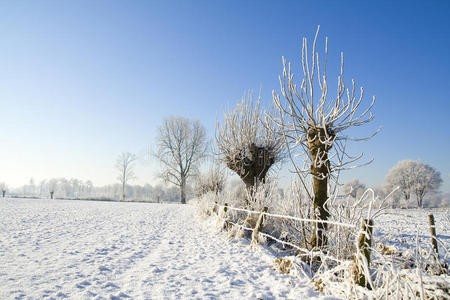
x=158, y=270
x=104, y=269
x=61, y=295
x=111, y=285
x=120, y=296
x=83, y=284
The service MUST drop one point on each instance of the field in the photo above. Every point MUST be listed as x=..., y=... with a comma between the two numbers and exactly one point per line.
x=402, y=229
x=88, y=249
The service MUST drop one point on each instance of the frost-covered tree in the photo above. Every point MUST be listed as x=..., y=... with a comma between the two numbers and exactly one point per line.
x=413, y=178
x=314, y=126
x=88, y=188
x=181, y=146
x=213, y=180
x=248, y=144
x=42, y=185
x=52, y=185
x=354, y=188
x=125, y=166
x=30, y=188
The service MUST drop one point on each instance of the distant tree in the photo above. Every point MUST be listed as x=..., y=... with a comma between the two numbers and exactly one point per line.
x=413, y=177
x=181, y=146
x=52, y=185
x=354, y=188
x=89, y=186
x=213, y=180
x=125, y=165
x=31, y=190
x=42, y=184
x=3, y=188
x=248, y=145
x=74, y=185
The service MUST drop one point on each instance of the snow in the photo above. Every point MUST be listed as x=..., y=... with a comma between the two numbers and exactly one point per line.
x=402, y=228
x=87, y=249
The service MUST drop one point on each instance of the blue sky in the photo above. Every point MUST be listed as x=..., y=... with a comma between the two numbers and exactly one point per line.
x=82, y=81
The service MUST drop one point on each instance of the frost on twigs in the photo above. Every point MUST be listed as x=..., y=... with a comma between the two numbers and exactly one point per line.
x=313, y=126
x=246, y=145
x=211, y=181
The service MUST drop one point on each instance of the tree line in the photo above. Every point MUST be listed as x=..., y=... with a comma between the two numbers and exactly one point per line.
x=63, y=188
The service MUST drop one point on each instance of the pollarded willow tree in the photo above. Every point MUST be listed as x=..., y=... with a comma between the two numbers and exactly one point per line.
x=181, y=146
x=313, y=126
x=247, y=145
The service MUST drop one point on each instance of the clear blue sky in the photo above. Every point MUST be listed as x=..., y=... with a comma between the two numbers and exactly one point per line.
x=82, y=81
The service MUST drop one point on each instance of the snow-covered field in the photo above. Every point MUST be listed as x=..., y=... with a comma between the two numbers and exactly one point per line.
x=401, y=229
x=87, y=249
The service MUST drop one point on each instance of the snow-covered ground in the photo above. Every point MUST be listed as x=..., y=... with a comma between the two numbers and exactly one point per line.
x=87, y=249
x=402, y=228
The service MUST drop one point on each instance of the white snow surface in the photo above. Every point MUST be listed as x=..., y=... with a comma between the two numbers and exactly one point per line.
x=403, y=229
x=110, y=250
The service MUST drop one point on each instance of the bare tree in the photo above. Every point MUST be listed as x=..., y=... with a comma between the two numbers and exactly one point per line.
x=181, y=146
x=125, y=165
x=213, y=180
x=3, y=188
x=247, y=145
x=354, y=188
x=42, y=184
x=313, y=124
x=52, y=185
x=413, y=177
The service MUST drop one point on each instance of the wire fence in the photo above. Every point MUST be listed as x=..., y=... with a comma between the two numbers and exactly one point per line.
x=366, y=257
x=362, y=233
x=255, y=232
x=287, y=217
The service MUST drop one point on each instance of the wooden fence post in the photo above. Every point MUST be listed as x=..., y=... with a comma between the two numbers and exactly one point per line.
x=363, y=253
x=215, y=210
x=258, y=226
x=433, y=235
x=224, y=216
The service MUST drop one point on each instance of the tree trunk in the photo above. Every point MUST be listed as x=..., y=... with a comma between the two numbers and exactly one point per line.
x=407, y=196
x=51, y=194
x=183, y=191
x=123, y=191
x=419, y=196
x=251, y=186
x=320, y=189
x=320, y=171
x=252, y=167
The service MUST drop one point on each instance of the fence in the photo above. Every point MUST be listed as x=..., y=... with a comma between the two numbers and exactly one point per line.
x=362, y=239
x=361, y=257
